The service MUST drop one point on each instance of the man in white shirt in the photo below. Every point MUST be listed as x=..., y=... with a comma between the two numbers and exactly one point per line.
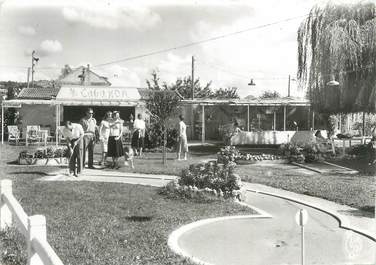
x=139, y=128
x=89, y=124
x=74, y=133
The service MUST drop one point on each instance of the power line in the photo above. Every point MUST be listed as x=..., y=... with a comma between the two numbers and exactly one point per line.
x=240, y=75
x=199, y=42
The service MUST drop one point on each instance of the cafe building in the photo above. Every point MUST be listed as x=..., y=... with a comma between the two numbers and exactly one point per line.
x=69, y=98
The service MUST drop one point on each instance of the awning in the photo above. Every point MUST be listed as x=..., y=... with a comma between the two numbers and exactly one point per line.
x=17, y=103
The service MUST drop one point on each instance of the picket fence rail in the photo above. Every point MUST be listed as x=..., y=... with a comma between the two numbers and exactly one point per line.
x=39, y=251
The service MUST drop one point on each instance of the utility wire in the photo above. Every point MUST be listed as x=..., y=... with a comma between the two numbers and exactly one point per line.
x=239, y=75
x=199, y=42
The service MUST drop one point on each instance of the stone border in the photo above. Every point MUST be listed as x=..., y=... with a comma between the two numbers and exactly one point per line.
x=343, y=222
x=176, y=234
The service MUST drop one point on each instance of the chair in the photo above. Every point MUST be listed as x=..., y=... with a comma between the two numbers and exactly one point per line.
x=13, y=134
x=33, y=134
x=45, y=133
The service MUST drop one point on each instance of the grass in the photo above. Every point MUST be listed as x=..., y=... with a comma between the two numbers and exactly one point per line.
x=101, y=223
x=354, y=190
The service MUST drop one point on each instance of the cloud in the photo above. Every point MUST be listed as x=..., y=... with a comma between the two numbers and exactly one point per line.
x=48, y=47
x=26, y=30
x=112, y=17
x=122, y=76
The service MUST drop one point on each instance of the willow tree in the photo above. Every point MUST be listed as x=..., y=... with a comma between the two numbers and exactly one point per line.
x=338, y=41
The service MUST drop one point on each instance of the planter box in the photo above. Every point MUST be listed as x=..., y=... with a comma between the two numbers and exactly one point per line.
x=43, y=161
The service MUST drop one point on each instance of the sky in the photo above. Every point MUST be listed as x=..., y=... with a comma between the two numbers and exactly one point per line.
x=97, y=32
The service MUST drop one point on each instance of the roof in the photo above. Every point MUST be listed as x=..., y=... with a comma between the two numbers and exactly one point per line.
x=287, y=101
x=84, y=76
x=39, y=92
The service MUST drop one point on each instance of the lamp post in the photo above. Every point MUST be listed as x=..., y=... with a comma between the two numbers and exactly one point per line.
x=251, y=83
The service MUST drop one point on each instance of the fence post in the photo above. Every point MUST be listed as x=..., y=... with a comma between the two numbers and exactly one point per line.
x=36, y=228
x=5, y=213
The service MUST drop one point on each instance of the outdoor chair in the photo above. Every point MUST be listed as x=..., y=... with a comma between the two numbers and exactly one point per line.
x=45, y=134
x=13, y=134
x=33, y=134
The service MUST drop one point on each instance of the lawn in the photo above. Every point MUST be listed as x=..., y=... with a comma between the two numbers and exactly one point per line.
x=96, y=223
x=354, y=190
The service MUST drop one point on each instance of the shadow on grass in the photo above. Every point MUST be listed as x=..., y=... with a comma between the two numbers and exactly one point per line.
x=29, y=172
x=14, y=162
x=136, y=218
x=366, y=211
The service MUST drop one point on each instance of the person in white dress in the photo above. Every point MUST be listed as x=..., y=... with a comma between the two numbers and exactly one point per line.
x=138, y=136
x=115, y=145
x=182, y=139
x=104, y=133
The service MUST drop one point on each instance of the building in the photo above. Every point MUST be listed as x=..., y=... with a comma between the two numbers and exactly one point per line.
x=70, y=97
x=78, y=89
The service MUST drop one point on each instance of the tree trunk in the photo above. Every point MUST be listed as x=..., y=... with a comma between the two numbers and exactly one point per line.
x=164, y=145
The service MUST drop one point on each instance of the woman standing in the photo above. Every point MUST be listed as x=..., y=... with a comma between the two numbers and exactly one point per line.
x=104, y=133
x=115, y=146
x=138, y=135
x=182, y=140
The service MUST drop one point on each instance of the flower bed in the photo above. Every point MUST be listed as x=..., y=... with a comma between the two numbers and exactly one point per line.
x=45, y=156
x=232, y=154
x=206, y=182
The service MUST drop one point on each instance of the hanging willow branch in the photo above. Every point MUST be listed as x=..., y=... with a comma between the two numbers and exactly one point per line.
x=339, y=40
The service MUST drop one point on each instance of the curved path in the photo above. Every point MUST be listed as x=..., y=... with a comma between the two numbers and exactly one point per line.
x=263, y=241
x=277, y=240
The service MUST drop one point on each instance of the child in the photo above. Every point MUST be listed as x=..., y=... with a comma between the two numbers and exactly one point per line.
x=128, y=156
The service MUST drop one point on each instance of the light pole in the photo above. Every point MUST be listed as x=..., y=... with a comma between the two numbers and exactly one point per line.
x=251, y=83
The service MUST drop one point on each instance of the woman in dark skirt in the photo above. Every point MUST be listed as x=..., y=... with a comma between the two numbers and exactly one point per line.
x=115, y=145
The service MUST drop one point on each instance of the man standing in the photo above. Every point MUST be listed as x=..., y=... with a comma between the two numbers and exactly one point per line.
x=74, y=134
x=89, y=124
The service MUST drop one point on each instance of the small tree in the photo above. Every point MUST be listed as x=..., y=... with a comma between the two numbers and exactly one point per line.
x=270, y=95
x=162, y=103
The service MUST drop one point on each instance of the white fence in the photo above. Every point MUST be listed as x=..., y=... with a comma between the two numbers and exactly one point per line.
x=32, y=227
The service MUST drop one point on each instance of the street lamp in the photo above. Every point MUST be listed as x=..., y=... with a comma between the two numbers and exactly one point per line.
x=251, y=83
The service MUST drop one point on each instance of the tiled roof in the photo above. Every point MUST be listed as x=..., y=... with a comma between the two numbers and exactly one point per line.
x=40, y=92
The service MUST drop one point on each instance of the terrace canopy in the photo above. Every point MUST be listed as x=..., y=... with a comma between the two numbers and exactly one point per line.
x=249, y=103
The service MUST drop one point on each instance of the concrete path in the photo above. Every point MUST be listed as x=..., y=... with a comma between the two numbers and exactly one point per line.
x=113, y=176
x=264, y=241
x=277, y=240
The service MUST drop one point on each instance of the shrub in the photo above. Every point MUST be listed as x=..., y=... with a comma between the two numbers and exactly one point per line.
x=228, y=154
x=206, y=182
x=293, y=152
x=154, y=137
x=359, y=150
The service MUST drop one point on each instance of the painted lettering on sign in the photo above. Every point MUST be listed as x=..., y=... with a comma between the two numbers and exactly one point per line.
x=98, y=93
x=107, y=93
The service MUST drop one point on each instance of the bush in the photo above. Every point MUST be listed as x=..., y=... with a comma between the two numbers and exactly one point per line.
x=293, y=152
x=154, y=137
x=228, y=154
x=206, y=182
x=359, y=150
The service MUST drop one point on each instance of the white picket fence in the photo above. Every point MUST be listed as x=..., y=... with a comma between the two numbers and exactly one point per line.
x=33, y=227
